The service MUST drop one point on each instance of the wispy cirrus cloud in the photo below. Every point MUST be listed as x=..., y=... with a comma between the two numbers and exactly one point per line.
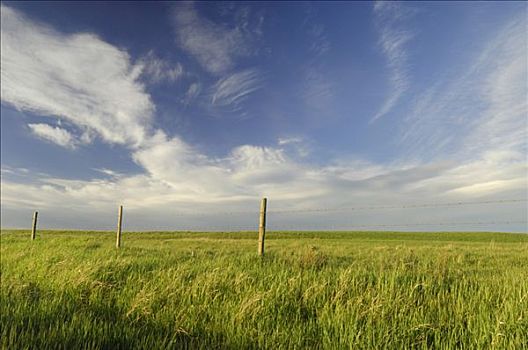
x=57, y=135
x=296, y=143
x=76, y=77
x=109, y=172
x=477, y=118
x=230, y=92
x=214, y=45
x=320, y=43
x=192, y=92
x=317, y=90
x=155, y=70
x=316, y=31
x=393, y=39
x=480, y=109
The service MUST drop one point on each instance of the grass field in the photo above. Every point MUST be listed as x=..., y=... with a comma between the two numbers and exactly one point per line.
x=358, y=290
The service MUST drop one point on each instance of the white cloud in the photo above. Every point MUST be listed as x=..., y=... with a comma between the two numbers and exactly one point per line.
x=155, y=70
x=57, y=135
x=192, y=92
x=179, y=166
x=215, y=46
x=491, y=186
x=320, y=44
x=289, y=140
x=262, y=166
x=245, y=172
x=77, y=77
x=318, y=90
x=389, y=16
x=298, y=144
x=231, y=91
x=109, y=172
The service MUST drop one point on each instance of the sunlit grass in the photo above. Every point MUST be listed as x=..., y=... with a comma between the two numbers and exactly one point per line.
x=311, y=290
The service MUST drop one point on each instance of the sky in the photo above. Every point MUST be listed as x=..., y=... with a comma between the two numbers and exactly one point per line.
x=188, y=113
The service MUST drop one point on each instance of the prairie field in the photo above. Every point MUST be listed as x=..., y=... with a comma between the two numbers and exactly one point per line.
x=311, y=290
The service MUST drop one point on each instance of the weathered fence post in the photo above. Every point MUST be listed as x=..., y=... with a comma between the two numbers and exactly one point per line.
x=262, y=226
x=34, y=227
x=119, y=222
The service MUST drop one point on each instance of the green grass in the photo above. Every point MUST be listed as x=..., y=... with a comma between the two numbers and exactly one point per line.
x=332, y=290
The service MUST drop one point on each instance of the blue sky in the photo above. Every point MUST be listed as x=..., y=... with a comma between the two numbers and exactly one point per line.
x=180, y=108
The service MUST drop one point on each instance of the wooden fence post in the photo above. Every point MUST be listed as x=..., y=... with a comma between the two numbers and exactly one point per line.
x=262, y=226
x=119, y=222
x=34, y=227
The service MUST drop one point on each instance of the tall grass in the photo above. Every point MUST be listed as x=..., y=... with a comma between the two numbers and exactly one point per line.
x=311, y=290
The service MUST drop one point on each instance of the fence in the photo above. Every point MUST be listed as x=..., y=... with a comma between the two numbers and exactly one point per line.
x=264, y=213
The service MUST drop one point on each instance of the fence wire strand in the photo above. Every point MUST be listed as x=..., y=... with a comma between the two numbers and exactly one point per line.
x=404, y=206
x=418, y=224
x=279, y=227
x=279, y=221
x=364, y=207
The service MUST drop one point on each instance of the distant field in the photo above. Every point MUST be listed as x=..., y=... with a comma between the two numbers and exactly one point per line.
x=332, y=290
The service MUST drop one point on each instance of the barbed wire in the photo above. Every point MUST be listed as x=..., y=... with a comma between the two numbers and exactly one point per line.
x=418, y=224
x=274, y=222
x=216, y=228
x=271, y=227
x=365, y=207
x=281, y=227
x=403, y=206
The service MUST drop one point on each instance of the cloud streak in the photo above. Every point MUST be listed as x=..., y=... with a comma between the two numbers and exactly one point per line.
x=57, y=135
x=393, y=40
x=233, y=90
x=214, y=46
x=156, y=70
x=192, y=92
